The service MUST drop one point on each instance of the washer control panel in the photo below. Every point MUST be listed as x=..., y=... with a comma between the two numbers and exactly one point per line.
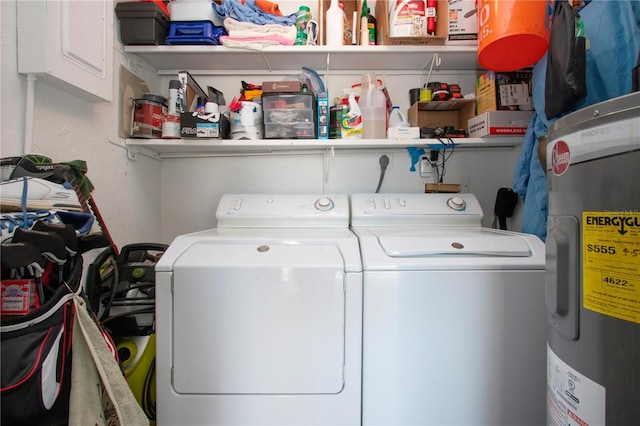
x=282, y=210
x=415, y=209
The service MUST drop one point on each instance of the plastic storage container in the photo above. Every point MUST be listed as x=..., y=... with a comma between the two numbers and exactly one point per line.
x=289, y=115
x=142, y=23
x=193, y=10
x=373, y=106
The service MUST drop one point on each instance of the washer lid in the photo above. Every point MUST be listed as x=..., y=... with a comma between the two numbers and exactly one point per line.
x=450, y=241
x=301, y=242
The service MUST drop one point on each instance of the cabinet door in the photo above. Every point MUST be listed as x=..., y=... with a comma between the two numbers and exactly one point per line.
x=68, y=44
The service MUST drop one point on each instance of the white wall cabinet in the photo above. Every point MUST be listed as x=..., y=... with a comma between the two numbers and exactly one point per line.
x=68, y=44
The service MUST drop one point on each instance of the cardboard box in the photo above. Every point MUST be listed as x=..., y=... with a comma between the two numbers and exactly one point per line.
x=454, y=113
x=499, y=123
x=402, y=133
x=463, y=23
x=323, y=115
x=382, y=17
x=497, y=91
x=282, y=86
x=209, y=126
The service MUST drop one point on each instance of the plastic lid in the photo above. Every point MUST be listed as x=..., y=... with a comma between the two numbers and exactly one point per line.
x=305, y=8
x=174, y=84
x=154, y=98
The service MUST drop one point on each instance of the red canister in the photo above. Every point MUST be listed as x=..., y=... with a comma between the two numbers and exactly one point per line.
x=147, y=116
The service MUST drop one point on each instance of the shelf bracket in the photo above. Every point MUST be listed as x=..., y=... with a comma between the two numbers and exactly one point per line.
x=133, y=151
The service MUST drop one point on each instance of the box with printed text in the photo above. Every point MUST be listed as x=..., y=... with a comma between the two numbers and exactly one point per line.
x=496, y=91
x=499, y=123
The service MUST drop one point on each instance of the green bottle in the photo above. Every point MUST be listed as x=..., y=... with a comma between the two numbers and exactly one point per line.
x=303, y=16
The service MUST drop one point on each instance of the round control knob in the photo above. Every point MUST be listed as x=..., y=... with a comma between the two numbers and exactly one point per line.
x=324, y=204
x=457, y=203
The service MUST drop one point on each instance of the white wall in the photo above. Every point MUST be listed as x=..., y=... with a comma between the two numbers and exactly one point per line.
x=150, y=200
x=192, y=187
x=69, y=128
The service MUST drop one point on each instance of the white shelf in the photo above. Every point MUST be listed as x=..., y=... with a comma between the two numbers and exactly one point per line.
x=169, y=59
x=222, y=60
x=174, y=148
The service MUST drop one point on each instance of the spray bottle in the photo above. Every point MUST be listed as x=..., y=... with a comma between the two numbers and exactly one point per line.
x=351, y=124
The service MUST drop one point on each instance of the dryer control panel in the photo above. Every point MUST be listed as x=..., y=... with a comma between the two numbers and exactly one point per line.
x=415, y=209
x=283, y=210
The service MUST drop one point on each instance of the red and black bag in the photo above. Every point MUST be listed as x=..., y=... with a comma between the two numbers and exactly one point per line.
x=36, y=359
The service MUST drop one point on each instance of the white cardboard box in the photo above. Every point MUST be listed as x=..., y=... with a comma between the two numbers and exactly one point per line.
x=499, y=123
x=403, y=133
x=463, y=22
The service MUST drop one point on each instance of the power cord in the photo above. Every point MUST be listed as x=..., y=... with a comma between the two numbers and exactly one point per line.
x=441, y=169
x=384, y=162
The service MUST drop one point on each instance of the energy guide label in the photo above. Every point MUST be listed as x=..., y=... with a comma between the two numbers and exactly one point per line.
x=611, y=263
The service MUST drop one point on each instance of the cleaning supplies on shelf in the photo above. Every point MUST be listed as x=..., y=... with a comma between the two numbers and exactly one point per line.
x=397, y=118
x=373, y=104
x=334, y=34
x=364, y=25
x=407, y=18
x=346, y=28
x=351, y=124
x=303, y=16
x=372, y=27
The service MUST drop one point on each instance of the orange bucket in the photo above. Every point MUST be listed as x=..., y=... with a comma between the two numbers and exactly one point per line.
x=512, y=34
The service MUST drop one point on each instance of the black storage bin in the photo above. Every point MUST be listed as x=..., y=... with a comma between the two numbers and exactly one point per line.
x=142, y=23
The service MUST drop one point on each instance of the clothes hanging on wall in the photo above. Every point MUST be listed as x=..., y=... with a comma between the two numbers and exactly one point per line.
x=613, y=31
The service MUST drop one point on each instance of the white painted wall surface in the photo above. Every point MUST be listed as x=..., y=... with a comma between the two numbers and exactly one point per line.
x=69, y=128
x=153, y=201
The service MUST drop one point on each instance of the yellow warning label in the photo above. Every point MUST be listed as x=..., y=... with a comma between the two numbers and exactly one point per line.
x=611, y=263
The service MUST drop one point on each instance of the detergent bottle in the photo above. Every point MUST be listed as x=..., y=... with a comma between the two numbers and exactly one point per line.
x=397, y=118
x=373, y=104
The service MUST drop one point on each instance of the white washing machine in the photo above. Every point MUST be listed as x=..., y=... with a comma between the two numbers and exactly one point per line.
x=259, y=321
x=453, y=314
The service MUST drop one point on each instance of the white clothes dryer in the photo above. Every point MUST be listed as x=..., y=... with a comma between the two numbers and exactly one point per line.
x=259, y=320
x=453, y=314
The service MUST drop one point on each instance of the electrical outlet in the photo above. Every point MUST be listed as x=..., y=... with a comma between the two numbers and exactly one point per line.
x=389, y=166
x=426, y=170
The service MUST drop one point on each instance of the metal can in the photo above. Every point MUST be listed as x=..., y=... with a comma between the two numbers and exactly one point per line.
x=147, y=116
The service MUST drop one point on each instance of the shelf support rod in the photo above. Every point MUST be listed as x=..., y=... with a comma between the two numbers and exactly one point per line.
x=266, y=61
x=326, y=76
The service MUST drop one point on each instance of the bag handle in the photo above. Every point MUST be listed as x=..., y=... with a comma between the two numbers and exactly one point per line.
x=90, y=351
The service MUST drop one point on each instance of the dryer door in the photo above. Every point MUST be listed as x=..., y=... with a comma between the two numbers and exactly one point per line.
x=258, y=318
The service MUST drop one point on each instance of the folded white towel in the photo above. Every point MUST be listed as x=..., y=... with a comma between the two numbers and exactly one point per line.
x=237, y=29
